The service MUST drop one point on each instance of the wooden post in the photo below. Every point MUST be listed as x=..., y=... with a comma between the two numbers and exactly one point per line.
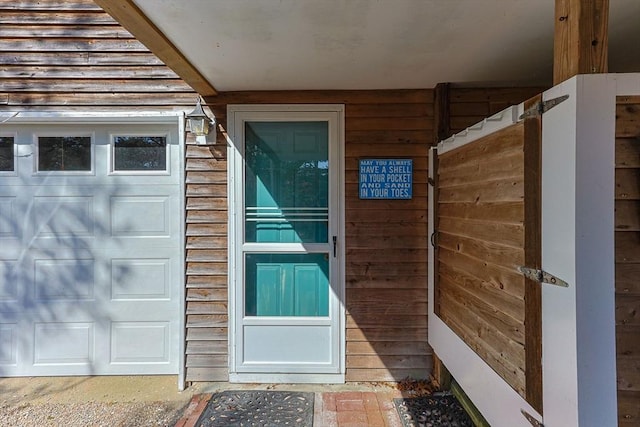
x=580, y=39
x=441, y=374
x=442, y=112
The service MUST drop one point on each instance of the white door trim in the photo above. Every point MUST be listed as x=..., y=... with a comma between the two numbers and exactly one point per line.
x=235, y=233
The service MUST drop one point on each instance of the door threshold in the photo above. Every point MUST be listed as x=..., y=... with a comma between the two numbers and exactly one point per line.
x=286, y=378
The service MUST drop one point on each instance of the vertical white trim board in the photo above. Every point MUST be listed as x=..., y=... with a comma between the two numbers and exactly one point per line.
x=182, y=143
x=578, y=323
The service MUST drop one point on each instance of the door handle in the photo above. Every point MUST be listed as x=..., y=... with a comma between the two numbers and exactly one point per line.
x=335, y=246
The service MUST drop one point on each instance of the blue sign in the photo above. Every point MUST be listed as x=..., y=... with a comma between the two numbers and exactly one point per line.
x=386, y=178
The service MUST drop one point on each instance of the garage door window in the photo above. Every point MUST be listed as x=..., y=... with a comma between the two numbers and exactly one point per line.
x=6, y=154
x=64, y=154
x=141, y=153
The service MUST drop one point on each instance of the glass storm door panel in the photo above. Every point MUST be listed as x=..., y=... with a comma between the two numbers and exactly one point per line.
x=287, y=308
x=286, y=189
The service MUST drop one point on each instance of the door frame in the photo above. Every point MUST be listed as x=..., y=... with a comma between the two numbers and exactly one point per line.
x=235, y=238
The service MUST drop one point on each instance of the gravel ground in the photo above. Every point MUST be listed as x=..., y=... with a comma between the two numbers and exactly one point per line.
x=95, y=414
x=92, y=401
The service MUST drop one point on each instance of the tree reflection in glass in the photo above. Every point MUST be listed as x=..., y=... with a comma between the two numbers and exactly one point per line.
x=64, y=153
x=140, y=153
x=6, y=154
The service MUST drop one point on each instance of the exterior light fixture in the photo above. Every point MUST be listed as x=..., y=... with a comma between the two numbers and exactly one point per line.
x=199, y=122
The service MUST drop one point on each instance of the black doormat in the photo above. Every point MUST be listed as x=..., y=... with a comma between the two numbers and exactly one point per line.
x=258, y=408
x=436, y=410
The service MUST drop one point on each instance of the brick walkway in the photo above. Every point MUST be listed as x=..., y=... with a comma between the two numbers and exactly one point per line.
x=331, y=409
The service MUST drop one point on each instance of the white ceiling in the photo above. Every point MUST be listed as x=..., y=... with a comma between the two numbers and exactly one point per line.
x=376, y=44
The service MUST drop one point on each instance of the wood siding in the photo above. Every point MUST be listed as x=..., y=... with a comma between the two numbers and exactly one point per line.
x=386, y=241
x=464, y=107
x=386, y=258
x=206, y=264
x=481, y=241
x=627, y=256
x=71, y=55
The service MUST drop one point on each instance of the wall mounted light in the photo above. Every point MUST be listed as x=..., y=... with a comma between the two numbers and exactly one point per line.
x=199, y=122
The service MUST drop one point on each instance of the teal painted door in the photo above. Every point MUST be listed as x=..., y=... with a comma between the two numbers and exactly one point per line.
x=287, y=285
x=288, y=299
x=286, y=201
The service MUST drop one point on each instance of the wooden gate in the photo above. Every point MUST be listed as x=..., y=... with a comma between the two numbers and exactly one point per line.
x=511, y=197
x=486, y=230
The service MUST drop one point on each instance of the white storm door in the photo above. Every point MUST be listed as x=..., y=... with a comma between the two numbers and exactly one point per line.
x=287, y=283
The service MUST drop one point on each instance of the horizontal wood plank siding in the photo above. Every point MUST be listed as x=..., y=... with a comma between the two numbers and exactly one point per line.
x=468, y=106
x=627, y=255
x=387, y=244
x=480, y=243
x=50, y=5
x=206, y=250
x=72, y=56
x=386, y=241
x=207, y=256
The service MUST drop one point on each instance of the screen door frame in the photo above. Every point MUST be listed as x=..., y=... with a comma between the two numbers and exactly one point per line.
x=237, y=116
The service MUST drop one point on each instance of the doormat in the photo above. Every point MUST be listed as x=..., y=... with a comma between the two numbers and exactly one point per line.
x=436, y=410
x=258, y=408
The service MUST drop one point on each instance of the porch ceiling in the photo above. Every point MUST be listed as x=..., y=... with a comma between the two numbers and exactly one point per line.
x=376, y=44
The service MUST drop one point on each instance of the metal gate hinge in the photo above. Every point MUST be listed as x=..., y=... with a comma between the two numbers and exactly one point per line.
x=529, y=417
x=542, y=107
x=542, y=276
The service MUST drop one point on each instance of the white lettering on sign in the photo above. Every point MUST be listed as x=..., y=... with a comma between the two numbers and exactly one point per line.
x=370, y=169
x=386, y=178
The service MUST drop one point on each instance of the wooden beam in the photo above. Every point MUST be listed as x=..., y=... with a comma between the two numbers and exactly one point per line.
x=145, y=31
x=442, y=111
x=580, y=39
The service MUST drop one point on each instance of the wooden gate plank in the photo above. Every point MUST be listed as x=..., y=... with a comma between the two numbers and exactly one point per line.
x=533, y=253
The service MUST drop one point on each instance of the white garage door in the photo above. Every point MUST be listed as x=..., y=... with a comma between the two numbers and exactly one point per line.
x=90, y=248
